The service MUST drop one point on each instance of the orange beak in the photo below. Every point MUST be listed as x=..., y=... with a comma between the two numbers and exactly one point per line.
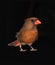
x=37, y=22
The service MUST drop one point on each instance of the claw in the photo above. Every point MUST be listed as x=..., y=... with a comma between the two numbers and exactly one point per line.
x=22, y=50
x=33, y=49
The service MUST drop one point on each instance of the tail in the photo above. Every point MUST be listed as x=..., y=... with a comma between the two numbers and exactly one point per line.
x=14, y=43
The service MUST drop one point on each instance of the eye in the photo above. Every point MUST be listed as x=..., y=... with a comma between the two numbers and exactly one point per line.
x=32, y=20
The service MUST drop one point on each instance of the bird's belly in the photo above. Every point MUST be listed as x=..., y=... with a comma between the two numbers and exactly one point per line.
x=23, y=43
x=28, y=36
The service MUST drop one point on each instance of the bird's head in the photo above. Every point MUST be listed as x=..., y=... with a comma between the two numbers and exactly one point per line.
x=36, y=21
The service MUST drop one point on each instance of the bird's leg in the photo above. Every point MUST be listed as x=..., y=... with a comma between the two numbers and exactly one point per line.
x=32, y=49
x=21, y=48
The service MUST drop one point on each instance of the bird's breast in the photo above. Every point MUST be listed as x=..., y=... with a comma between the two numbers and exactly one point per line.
x=28, y=36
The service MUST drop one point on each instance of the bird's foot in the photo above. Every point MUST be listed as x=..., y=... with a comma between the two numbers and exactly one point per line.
x=33, y=49
x=22, y=50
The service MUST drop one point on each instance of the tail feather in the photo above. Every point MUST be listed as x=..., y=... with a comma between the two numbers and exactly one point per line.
x=14, y=43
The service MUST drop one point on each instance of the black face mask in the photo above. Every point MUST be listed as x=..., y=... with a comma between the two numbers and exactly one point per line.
x=34, y=20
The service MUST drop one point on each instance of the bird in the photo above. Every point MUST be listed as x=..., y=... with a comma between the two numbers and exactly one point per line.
x=27, y=35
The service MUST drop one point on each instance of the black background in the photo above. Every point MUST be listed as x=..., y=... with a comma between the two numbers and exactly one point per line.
x=13, y=14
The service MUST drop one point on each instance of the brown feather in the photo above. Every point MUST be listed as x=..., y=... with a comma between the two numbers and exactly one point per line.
x=28, y=33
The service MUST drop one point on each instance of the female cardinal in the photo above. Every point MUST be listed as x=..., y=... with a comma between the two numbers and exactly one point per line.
x=27, y=34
